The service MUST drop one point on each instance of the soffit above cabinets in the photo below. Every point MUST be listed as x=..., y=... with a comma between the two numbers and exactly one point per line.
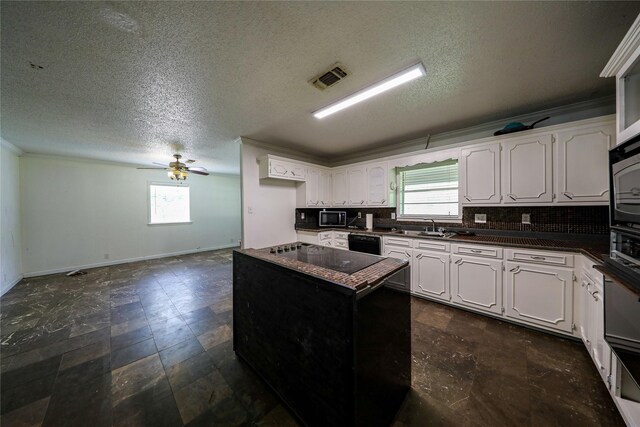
x=135, y=80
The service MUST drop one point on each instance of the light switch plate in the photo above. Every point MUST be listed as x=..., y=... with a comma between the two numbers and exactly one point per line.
x=301, y=215
x=393, y=215
x=481, y=218
x=526, y=218
x=359, y=214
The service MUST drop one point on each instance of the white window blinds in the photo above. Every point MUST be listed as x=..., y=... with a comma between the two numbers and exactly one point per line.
x=429, y=190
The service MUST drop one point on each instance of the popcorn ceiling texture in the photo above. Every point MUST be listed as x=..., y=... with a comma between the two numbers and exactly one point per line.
x=553, y=219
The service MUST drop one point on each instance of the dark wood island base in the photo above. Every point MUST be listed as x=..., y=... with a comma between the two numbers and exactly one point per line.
x=336, y=354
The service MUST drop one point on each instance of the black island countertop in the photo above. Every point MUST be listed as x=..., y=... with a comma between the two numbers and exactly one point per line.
x=378, y=270
x=595, y=247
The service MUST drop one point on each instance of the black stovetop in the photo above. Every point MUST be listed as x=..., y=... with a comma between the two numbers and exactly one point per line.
x=343, y=261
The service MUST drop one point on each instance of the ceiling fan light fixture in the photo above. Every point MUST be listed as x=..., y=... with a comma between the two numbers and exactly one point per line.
x=397, y=79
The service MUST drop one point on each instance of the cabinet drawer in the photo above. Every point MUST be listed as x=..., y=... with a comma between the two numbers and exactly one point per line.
x=432, y=245
x=325, y=235
x=342, y=244
x=483, y=251
x=340, y=235
x=398, y=242
x=539, y=257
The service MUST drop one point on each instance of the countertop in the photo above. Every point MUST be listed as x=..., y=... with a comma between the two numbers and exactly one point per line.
x=359, y=280
x=595, y=248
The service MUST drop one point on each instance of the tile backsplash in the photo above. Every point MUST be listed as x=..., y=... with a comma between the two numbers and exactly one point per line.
x=554, y=219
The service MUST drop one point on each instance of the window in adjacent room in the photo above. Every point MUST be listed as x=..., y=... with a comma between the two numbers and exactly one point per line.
x=429, y=191
x=168, y=204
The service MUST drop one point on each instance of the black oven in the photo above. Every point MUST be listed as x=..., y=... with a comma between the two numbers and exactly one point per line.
x=624, y=181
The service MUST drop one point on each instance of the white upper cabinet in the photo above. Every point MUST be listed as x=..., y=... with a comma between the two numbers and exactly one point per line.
x=377, y=193
x=274, y=167
x=357, y=185
x=339, y=185
x=312, y=187
x=582, y=158
x=480, y=175
x=625, y=66
x=324, y=188
x=527, y=170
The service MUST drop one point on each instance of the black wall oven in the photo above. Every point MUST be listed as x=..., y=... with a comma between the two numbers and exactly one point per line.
x=624, y=180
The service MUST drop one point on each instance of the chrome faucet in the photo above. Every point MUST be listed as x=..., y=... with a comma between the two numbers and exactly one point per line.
x=434, y=225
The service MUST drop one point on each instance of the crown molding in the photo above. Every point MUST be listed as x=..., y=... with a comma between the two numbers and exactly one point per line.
x=283, y=150
x=629, y=44
x=559, y=115
x=9, y=146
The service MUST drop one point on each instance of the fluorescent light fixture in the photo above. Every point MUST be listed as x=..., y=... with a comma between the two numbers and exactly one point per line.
x=397, y=79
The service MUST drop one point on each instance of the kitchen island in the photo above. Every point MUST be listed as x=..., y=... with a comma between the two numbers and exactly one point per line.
x=322, y=329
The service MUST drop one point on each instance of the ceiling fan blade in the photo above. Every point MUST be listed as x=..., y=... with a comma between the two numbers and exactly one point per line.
x=199, y=172
x=190, y=161
x=198, y=168
x=159, y=164
x=154, y=168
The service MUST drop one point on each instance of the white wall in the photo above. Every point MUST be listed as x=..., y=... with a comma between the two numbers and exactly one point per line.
x=10, y=237
x=272, y=203
x=80, y=213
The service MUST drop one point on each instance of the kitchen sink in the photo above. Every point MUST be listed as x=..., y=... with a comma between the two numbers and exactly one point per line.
x=424, y=233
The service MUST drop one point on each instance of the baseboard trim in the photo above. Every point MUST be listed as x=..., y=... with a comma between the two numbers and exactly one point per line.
x=15, y=282
x=124, y=261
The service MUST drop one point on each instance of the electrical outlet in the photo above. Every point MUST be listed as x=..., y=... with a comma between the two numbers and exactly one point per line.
x=393, y=215
x=359, y=214
x=301, y=215
x=481, y=218
x=249, y=210
x=526, y=218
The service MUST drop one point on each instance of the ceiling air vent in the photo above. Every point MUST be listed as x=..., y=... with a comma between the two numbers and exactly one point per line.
x=329, y=77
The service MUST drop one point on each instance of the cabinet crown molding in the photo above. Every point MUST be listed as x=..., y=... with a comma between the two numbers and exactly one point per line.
x=629, y=44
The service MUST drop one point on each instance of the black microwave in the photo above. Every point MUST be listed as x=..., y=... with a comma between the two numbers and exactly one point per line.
x=624, y=182
x=333, y=219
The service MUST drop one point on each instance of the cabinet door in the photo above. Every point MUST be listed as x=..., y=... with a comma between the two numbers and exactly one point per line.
x=480, y=175
x=324, y=188
x=402, y=281
x=339, y=184
x=297, y=171
x=582, y=164
x=600, y=350
x=527, y=171
x=279, y=168
x=431, y=274
x=477, y=283
x=311, y=187
x=357, y=185
x=585, y=314
x=377, y=185
x=540, y=295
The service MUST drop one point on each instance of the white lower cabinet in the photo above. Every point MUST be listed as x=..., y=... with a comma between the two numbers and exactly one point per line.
x=540, y=294
x=431, y=274
x=592, y=322
x=477, y=283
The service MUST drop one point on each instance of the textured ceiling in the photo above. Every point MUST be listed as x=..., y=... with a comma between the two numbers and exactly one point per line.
x=131, y=81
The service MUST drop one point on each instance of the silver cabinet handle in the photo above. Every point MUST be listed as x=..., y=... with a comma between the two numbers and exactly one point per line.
x=362, y=202
x=476, y=251
x=383, y=200
x=459, y=261
x=408, y=254
x=468, y=199
x=515, y=269
x=568, y=195
x=594, y=295
x=539, y=258
x=512, y=196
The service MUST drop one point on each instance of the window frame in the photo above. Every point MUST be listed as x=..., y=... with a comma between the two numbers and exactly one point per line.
x=427, y=218
x=166, y=184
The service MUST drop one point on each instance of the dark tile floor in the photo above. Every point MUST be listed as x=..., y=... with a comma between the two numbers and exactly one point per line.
x=149, y=343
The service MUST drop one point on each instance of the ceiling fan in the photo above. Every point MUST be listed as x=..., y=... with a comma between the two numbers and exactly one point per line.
x=179, y=171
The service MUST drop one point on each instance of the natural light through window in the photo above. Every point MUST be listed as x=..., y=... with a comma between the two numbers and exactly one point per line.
x=429, y=191
x=168, y=204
